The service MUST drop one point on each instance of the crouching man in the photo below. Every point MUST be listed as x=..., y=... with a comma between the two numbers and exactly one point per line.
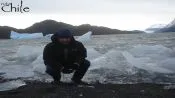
x=65, y=54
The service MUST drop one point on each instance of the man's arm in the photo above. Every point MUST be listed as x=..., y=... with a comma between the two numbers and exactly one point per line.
x=82, y=53
x=49, y=57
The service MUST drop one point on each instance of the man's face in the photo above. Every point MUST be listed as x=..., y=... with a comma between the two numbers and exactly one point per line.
x=64, y=41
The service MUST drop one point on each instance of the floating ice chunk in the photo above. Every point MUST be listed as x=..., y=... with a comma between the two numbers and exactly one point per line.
x=155, y=58
x=92, y=54
x=38, y=65
x=3, y=62
x=15, y=35
x=168, y=63
x=11, y=85
x=25, y=56
x=85, y=38
x=111, y=60
x=156, y=52
x=26, y=50
x=48, y=35
x=144, y=63
x=32, y=56
x=17, y=71
x=28, y=54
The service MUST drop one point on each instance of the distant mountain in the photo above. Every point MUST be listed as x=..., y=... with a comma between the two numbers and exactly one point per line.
x=168, y=28
x=154, y=28
x=51, y=26
x=5, y=31
x=47, y=27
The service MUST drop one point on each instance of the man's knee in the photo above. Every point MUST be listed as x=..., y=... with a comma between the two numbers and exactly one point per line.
x=50, y=70
x=87, y=63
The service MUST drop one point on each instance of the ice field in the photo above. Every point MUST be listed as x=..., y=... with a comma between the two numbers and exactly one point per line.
x=121, y=58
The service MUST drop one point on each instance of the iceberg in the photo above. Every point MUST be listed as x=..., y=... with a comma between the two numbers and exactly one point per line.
x=85, y=37
x=16, y=35
x=48, y=35
x=11, y=85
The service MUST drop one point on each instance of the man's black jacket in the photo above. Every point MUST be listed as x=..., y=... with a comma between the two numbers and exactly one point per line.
x=57, y=55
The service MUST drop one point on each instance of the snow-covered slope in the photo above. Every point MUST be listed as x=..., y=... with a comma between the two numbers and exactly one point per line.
x=155, y=27
x=172, y=23
x=168, y=28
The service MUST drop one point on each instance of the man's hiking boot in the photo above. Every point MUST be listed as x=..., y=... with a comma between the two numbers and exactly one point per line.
x=56, y=82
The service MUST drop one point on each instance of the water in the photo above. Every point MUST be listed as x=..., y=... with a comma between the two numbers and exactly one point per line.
x=122, y=58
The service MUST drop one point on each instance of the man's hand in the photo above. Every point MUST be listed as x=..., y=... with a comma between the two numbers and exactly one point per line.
x=76, y=65
x=73, y=66
x=59, y=68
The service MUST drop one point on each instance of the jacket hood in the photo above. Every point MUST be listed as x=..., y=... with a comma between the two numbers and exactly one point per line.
x=62, y=34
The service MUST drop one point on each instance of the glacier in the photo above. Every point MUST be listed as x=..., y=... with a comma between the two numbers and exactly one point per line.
x=122, y=58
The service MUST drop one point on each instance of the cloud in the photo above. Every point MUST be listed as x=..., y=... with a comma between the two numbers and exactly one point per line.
x=120, y=14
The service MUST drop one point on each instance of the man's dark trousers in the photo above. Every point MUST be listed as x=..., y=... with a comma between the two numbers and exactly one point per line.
x=78, y=75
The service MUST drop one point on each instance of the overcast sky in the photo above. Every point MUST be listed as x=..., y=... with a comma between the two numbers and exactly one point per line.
x=119, y=14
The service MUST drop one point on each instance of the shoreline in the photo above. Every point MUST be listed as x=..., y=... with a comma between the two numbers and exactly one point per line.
x=47, y=90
